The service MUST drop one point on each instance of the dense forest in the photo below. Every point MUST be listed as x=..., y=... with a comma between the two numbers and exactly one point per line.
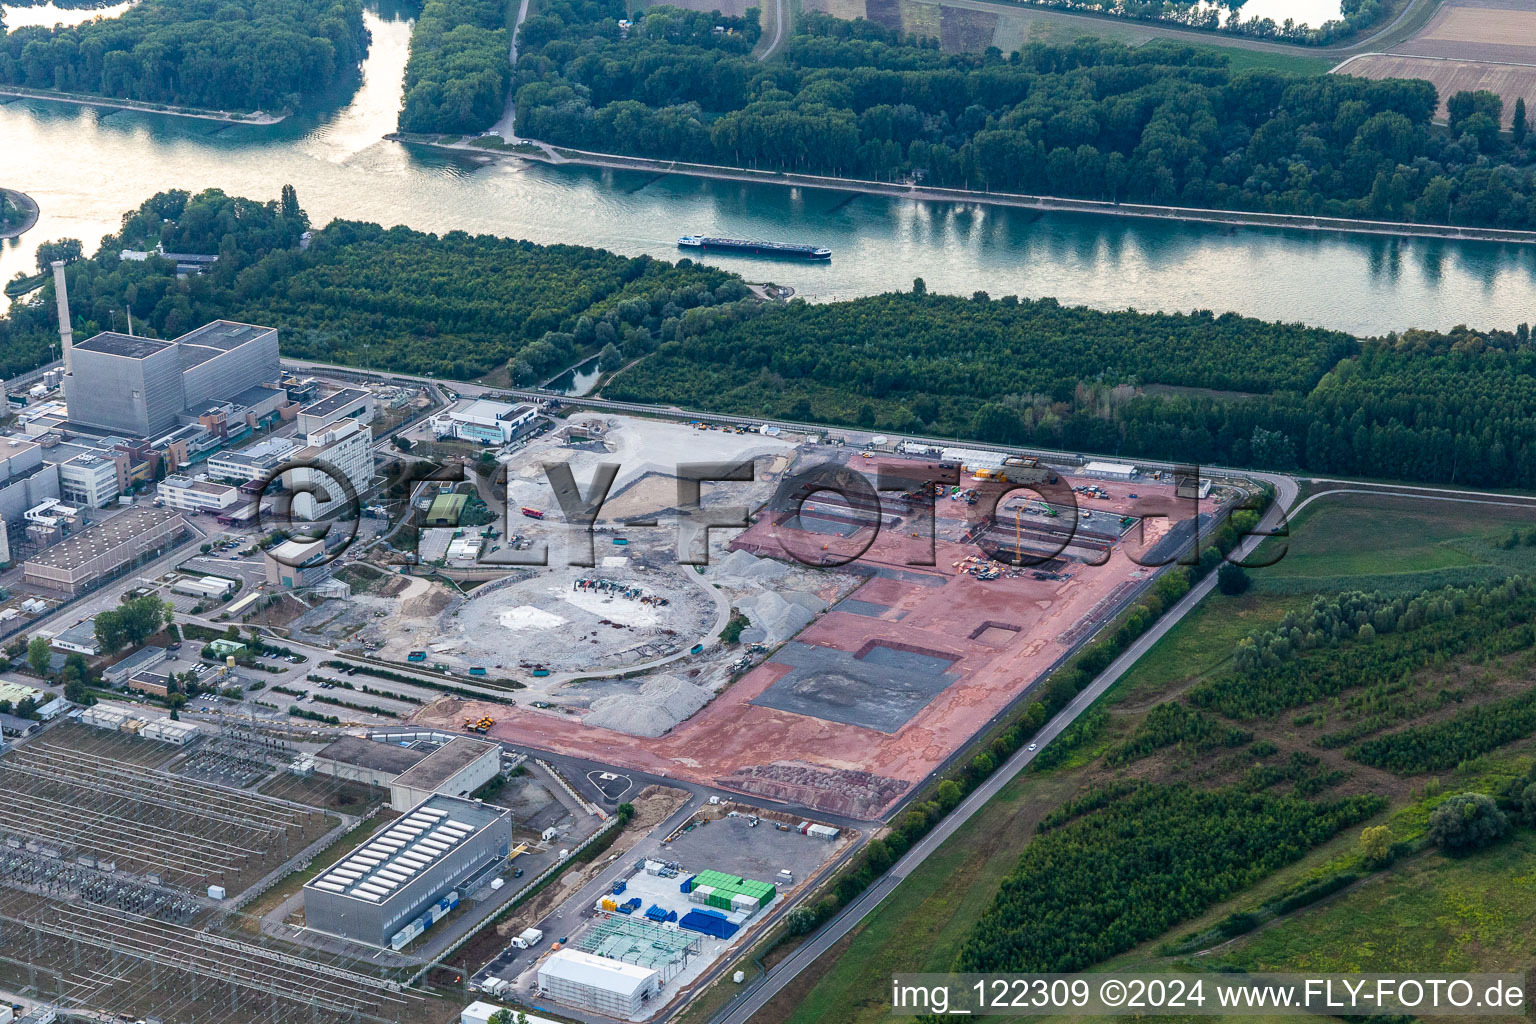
x=456, y=305
x=459, y=70
x=1160, y=124
x=1455, y=407
x=241, y=55
x=1137, y=863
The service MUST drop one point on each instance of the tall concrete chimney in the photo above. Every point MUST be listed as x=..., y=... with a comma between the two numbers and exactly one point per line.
x=66, y=333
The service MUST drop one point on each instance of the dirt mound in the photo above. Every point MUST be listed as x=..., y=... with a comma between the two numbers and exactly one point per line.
x=660, y=703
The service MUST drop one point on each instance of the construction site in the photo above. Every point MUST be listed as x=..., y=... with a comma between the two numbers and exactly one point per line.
x=894, y=600
x=123, y=883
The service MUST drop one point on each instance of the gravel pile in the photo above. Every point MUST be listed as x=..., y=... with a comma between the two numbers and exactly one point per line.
x=660, y=703
x=744, y=565
x=777, y=615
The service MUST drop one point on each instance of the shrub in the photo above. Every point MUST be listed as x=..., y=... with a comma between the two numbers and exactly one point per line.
x=1467, y=822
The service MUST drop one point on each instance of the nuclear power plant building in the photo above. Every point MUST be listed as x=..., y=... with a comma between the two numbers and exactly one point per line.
x=142, y=386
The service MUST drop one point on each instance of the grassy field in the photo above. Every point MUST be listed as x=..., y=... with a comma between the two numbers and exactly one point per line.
x=1433, y=913
x=1345, y=541
x=1363, y=542
x=921, y=925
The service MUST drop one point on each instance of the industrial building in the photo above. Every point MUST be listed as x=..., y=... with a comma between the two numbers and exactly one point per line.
x=89, y=480
x=100, y=551
x=596, y=983
x=255, y=463
x=139, y=661
x=457, y=768
x=144, y=386
x=344, y=448
x=296, y=563
x=367, y=761
x=406, y=868
x=188, y=495
x=484, y=421
x=78, y=639
x=1110, y=470
x=215, y=587
x=26, y=481
x=348, y=403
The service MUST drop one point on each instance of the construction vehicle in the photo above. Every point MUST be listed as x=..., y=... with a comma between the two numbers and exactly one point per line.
x=480, y=725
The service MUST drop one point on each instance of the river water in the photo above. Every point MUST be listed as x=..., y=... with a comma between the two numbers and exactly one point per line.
x=85, y=167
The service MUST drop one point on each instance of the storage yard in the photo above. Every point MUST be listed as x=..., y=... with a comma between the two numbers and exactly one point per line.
x=669, y=918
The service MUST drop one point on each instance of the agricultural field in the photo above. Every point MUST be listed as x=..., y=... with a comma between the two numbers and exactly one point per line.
x=1453, y=76
x=1467, y=46
x=1160, y=733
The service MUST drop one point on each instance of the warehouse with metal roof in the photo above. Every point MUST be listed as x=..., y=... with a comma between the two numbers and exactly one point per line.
x=405, y=868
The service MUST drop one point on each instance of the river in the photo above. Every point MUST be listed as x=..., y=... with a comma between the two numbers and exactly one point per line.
x=86, y=166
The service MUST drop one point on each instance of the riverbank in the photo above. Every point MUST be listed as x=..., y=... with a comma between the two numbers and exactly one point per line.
x=81, y=99
x=546, y=153
x=27, y=212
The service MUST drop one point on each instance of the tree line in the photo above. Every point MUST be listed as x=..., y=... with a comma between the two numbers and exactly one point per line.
x=1174, y=724
x=273, y=55
x=1333, y=619
x=455, y=305
x=1449, y=407
x=459, y=68
x=1497, y=628
x=1441, y=746
x=1118, y=875
x=1226, y=18
x=1162, y=123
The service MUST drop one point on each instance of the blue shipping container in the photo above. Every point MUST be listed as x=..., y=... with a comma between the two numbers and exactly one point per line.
x=707, y=923
x=619, y=887
x=634, y=904
x=687, y=885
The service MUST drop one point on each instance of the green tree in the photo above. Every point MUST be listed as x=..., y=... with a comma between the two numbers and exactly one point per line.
x=67, y=249
x=38, y=655
x=1520, y=126
x=111, y=633
x=1376, y=845
x=610, y=358
x=1467, y=822
x=1232, y=579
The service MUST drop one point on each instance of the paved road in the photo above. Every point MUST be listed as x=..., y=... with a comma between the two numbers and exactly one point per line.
x=774, y=981
x=504, y=127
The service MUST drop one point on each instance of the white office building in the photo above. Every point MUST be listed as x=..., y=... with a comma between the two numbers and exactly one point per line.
x=345, y=448
x=88, y=481
x=483, y=421
x=587, y=982
x=185, y=494
x=256, y=462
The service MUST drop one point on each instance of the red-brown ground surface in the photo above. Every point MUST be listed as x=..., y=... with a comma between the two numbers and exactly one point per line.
x=1001, y=634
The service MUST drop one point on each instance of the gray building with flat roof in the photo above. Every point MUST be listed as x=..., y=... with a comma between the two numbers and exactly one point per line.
x=142, y=385
x=381, y=888
x=81, y=559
